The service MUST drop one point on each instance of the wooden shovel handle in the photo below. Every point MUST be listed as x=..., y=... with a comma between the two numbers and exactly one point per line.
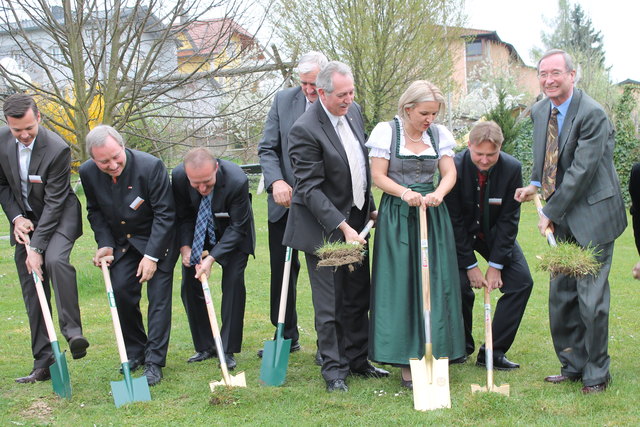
x=548, y=233
x=366, y=229
x=122, y=350
x=215, y=329
x=284, y=291
x=424, y=269
x=488, y=336
x=44, y=306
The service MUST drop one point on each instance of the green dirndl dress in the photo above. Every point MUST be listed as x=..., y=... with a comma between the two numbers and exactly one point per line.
x=396, y=320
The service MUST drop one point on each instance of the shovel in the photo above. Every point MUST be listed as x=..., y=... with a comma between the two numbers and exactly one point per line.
x=59, y=372
x=430, y=376
x=275, y=356
x=227, y=380
x=488, y=352
x=130, y=389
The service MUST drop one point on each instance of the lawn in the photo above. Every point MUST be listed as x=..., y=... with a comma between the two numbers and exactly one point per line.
x=184, y=398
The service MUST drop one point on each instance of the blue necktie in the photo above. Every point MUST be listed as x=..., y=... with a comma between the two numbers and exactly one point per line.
x=204, y=225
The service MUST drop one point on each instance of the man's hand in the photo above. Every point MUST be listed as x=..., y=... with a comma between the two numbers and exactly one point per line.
x=636, y=271
x=101, y=253
x=281, y=192
x=21, y=228
x=543, y=223
x=205, y=267
x=146, y=269
x=494, y=278
x=476, y=279
x=34, y=262
x=185, y=253
x=525, y=194
x=350, y=235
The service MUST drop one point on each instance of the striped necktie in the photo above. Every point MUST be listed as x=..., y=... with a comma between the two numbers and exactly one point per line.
x=204, y=226
x=551, y=157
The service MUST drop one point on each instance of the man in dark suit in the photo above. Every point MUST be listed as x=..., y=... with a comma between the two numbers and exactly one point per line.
x=224, y=187
x=332, y=201
x=485, y=219
x=288, y=105
x=573, y=164
x=132, y=213
x=45, y=221
x=634, y=192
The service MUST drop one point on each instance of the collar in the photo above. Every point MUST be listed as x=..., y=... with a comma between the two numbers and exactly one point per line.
x=562, y=108
x=334, y=119
x=30, y=147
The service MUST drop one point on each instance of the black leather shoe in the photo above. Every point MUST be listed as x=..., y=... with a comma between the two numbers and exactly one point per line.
x=501, y=363
x=458, y=361
x=231, y=361
x=369, y=371
x=202, y=355
x=318, y=359
x=78, y=346
x=38, y=374
x=134, y=364
x=153, y=373
x=337, y=385
x=406, y=383
x=597, y=388
x=295, y=346
x=557, y=379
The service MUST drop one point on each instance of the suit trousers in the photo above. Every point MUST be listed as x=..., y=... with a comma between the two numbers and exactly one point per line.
x=127, y=292
x=277, y=255
x=341, y=306
x=517, y=285
x=579, y=318
x=62, y=275
x=234, y=297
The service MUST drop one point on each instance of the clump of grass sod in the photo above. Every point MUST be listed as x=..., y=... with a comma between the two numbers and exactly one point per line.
x=569, y=259
x=336, y=254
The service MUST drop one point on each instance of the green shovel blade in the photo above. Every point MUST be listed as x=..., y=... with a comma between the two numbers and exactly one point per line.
x=60, y=373
x=130, y=389
x=275, y=359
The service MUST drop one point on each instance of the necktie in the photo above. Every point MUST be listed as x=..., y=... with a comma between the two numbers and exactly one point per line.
x=551, y=157
x=482, y=185
x=204, y=226
x=354, y=156
x=25, y=158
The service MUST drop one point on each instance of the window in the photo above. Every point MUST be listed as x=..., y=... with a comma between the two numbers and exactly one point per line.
x=474, y=48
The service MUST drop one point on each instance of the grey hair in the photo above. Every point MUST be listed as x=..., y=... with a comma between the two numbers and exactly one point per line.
x=311, y=61
x=98, y=137
x=567, y=58
x=417, y=92
x=325, y=76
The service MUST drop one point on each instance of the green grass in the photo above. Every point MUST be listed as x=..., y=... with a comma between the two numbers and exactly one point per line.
x=184, y=398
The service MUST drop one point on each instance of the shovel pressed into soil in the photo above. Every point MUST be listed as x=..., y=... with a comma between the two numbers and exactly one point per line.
x=275, y=356
x=430, y=376
x=130, y=389
x=59, y=371
x=488, y=352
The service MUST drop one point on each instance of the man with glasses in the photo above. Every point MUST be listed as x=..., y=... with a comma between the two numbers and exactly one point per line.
x=573, y=166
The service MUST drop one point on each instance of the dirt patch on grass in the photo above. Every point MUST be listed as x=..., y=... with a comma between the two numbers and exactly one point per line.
x=39, y=410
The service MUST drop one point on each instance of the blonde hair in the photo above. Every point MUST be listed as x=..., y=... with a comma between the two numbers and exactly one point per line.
x=417, y=92
x=486, y=132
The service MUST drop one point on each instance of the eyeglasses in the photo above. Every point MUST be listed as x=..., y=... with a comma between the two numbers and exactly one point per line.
x=553, y=74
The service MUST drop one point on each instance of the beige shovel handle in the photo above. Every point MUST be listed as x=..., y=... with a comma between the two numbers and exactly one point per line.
x=424, y=269
x=122, y=350
x=215, y=329
x=284, y=292
x=488, y=336
x=548, y=233
x=44, y=306
x=366, y=229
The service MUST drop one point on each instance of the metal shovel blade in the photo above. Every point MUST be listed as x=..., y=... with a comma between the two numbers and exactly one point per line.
x=430, y=378
x=234, y=381
x=275, y=360
x=130, y=389
x=60, y=373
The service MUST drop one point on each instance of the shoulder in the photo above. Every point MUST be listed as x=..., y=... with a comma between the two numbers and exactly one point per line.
x=178, y=172
x=287, y=95
x=145, y=159
x=509, y=161
x=52, y=140
x=232, y=170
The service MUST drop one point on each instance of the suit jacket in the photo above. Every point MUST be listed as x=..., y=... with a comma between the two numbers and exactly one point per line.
x=587, y=196
x=501, y=213
x=322, y=196
x=138, y=211
x=634, y=192
x=273, y=149
x=50, y=195
x=230, y=196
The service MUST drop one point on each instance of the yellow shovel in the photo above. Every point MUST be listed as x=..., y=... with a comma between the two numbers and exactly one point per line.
x=227, y=380
x=430, y=376
x=488, y=352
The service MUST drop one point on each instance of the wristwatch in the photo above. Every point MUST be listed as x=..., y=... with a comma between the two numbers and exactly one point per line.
x=37, y=250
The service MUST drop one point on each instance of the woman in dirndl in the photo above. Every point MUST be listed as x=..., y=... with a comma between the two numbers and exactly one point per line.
x=406, y=153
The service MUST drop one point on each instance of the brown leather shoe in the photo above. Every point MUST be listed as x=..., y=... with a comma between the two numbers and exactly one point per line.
x=38, y=374
x=557, y=379
x=598, y=388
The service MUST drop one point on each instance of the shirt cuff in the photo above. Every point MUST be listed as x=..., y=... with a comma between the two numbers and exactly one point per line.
x=474, y=265
x=151, y=258
x=14, y=219
x=536, y=183
x=496, y=265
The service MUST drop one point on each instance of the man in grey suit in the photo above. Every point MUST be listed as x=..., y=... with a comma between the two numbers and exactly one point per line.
x=584, y=206
x=45, y=221
x=332, y=201
x=273, y=149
